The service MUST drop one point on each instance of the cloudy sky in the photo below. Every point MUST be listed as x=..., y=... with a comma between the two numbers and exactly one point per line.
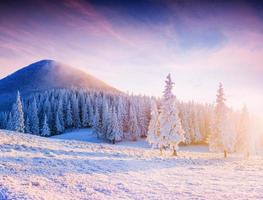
x=133, y=45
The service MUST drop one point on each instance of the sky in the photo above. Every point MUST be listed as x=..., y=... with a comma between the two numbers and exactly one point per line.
x=133, y=45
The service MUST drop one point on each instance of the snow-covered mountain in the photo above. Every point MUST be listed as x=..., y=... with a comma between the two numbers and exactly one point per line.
x=45, y=75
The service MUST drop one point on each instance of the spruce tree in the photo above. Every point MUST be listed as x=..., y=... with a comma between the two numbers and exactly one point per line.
x=69, y=120
x=154, y=126
x=134, y=130
x=222, y=135
x=243, y=136
x=45, y=131
x=59, y=128
x=33, y=117
x=18, y=115
x=171, y=132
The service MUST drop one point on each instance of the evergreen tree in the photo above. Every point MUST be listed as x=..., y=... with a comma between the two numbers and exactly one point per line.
x=75, y=113
x=33, y=117
x=120, y=114
x=171, y=132
x=243, y=136
x=222, y=135
x=10, y=125
x=90, y=112
x=84, y=111
x=27, y=126
x=154, y=126
x=60, y=112
x=114, y=133
x=134, y=131
x=18, y=115
x=69, y=120
x=45, y=131
x=197, y=137
x=228, y=133
x=97, y=122
x=59, y=128
x=105, y=119
x=186, y=125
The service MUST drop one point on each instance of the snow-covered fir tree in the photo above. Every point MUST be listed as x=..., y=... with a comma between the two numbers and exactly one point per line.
x=45, y=131
x=97, y=126
x=171, y=132
x=69, y=118
x=18, y=116
x=114, y=134
x=33, y=117
x=105, y=119
x=222, y=136
x=154, y=126
x=9, y=125
x=228, y=133
x=59, y=127
x=27, y=126
x=243, y=133
x=197, y=136
x=134, y=130
x=75, y=111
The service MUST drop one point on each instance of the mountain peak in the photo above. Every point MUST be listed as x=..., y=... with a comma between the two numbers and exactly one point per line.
x=45, y=75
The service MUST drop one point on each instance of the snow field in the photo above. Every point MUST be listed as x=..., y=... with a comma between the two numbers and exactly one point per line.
x=32, y=167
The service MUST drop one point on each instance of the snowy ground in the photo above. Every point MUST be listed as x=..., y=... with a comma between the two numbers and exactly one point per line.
x=88, y=135
x=39, y=168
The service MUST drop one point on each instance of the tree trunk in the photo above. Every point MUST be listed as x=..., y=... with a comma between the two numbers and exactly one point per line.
x=113, y=141
x=174, y=152
x=225, y=154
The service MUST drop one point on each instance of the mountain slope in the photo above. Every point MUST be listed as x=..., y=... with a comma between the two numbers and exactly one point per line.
x=32, y=167
x=45, y=75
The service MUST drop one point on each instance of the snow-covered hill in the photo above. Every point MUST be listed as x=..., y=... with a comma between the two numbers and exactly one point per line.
x=46, y=75
x=40, y=168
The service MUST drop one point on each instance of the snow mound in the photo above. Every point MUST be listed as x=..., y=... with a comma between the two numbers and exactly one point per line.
x=32, y=167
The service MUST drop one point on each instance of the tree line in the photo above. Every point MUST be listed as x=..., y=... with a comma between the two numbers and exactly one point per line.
x=173, y=123
x=117, y=116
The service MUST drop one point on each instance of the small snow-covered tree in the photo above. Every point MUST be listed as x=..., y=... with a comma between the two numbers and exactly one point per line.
x=154, y=126
x=114, y=134
x=45, y=131
x=215, y=138
x=228, y=133
x=171, y=132
x=134, y=131
x=18, y=115
x=59, y=128
x=33, y=117
x=243, y=133
x=97, y=127
x=27, y=126
x=185, y=117
x=84, y=111
x=60, y=111
x=90, y=111
x=69, y=119
x=75, y=113
x=9, y=125
x=105, y=118
x=222, y=135
x=197, y=137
